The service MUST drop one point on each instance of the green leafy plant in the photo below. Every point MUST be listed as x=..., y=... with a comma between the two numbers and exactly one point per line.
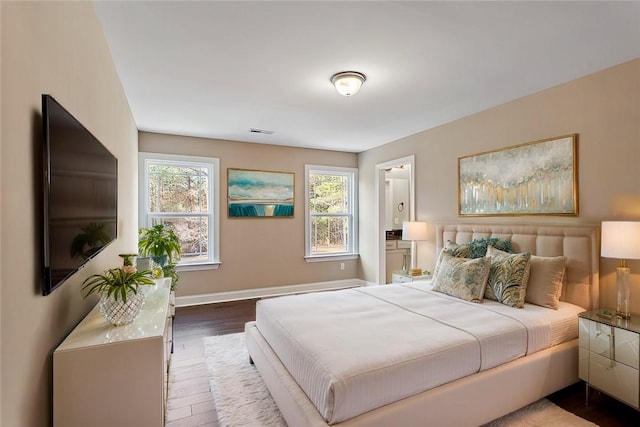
x=117, y=282
x=169, y=270
x=159, y=241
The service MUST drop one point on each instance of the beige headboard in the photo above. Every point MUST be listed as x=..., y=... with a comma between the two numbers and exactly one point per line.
x=580, y=244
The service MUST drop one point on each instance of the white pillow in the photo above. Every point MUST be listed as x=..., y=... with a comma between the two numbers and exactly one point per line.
x=545, y=281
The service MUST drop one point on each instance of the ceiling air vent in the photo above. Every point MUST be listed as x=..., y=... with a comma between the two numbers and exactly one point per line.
x=262, y=131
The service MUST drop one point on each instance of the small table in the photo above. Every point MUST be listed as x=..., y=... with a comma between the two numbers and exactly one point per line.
x=404, y=277
x=608, y=355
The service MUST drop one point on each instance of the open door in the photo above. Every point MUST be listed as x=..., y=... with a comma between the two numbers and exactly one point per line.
x=395, y=203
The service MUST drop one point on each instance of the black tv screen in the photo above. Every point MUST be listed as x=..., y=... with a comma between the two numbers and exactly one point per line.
x=80, y=195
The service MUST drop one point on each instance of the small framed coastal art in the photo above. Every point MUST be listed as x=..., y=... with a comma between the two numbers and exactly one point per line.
x=260, y=194
x=536, y=178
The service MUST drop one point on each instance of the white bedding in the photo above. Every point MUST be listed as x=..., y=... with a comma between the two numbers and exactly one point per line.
x=354, y=350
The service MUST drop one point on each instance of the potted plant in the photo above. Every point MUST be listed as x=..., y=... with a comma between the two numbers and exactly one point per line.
x=159, y=242
x=162, y=244
x=121, y=298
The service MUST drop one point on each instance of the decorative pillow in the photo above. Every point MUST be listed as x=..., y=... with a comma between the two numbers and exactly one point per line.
x=546, y=280
x=508, y=277
x=478, y=247
x=460, y=251
x=462, y=277
x=452, y=249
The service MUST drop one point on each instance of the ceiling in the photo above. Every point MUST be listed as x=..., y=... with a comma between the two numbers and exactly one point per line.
x=218, y=69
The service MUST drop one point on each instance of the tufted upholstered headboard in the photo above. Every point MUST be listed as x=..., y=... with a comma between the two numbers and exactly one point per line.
x=580, y=244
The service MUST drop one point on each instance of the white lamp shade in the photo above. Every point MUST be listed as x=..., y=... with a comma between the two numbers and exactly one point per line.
x=414, y=230
x=620, y=239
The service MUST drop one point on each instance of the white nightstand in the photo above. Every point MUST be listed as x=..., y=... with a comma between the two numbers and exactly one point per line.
x=609, y=355
x=402, y=277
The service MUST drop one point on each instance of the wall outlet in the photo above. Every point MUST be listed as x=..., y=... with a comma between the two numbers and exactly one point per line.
x=341, y=266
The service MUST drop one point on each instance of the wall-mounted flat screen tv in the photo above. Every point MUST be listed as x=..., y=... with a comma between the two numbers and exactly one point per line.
x=80, y=195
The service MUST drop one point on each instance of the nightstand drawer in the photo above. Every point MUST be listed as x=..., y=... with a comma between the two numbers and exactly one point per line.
x=399, y=278
x=627, y=347
x=583, y=333
x=583, y=364
x=601, y=339
x=614, y=378
x=608, y=341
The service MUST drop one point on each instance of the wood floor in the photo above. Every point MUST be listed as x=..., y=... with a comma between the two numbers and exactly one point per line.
x=191, y=402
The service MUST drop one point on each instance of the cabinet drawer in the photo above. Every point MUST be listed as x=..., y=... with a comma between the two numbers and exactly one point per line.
x=615, y=379
x=583, y=333
x=612, y=342
x=601, y=339
x=404, y=244
x=583, y=364
x=398, y=278
x=391, y=245
x=627, y=347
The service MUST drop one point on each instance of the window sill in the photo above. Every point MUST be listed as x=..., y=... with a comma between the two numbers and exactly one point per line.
x=198, y=266
x=323, y=258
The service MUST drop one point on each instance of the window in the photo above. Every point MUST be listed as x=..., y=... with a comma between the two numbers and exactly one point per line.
x=331, y=220
x=183, y=191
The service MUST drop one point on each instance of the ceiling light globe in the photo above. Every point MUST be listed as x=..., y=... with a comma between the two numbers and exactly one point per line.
x=348, y=83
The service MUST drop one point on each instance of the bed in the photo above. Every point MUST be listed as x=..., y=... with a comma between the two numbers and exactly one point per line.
x=391, y=321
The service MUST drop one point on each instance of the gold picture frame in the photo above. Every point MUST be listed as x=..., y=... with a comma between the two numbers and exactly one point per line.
x=535, y=178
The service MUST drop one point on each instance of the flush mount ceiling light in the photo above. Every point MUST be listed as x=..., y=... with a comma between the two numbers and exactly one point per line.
x=348, y=83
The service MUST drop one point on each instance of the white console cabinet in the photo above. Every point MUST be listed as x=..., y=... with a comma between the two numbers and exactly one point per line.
x=106, y=375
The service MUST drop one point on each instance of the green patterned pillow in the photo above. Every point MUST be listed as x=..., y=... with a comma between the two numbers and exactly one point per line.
x=508, y=277
x=462, y=277
x=478, y=247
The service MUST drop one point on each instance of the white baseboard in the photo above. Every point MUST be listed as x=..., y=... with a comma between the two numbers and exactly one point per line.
x=268, y=292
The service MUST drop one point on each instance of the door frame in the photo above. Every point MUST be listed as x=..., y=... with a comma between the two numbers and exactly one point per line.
x=380, y=199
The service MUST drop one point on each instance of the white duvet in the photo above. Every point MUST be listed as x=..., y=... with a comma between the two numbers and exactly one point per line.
x=354, y=350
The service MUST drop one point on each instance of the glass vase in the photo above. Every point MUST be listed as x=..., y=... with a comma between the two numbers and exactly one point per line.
x=120, y=313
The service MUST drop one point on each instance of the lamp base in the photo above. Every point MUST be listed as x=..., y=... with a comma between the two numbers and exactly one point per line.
x=623, y=292
x=413, y=255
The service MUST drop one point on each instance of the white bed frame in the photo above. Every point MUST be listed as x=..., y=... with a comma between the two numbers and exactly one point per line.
x=487, y=395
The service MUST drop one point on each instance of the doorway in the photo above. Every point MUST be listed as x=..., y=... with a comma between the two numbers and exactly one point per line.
x=394, y=179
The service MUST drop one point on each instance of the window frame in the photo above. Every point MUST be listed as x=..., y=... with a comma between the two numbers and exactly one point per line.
x=352, y=174
x=213, y=215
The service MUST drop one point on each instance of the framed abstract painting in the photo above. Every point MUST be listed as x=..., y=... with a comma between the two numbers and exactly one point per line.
x=536, y=178
x=260, y=194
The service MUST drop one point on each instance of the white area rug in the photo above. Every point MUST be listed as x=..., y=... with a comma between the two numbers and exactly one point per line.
x=242, y=399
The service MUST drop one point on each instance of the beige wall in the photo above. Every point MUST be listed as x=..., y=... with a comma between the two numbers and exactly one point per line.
x=56, y=48
x=256, y=252
x=603, y=108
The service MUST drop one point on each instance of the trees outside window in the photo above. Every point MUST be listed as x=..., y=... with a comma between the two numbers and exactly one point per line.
x=331, y=207
x=182, y=192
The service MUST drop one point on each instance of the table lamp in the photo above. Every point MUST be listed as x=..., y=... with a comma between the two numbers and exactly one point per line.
x=621, y=239
x=414, y=231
